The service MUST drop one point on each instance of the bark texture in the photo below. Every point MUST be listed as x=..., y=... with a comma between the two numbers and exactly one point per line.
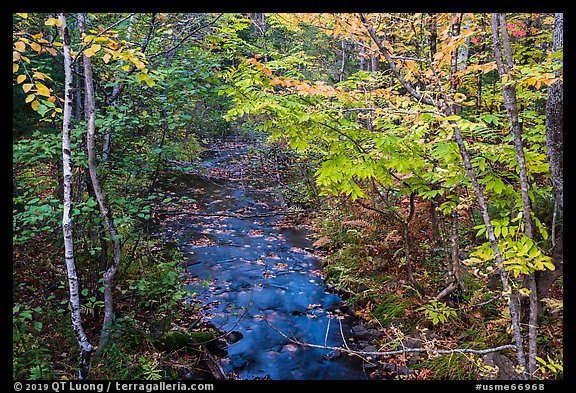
x=85, y=347
x=90, y=109
x=555, y=149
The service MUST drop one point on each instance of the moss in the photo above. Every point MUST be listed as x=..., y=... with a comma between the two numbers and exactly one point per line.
x=172, y=341
x=201, y=337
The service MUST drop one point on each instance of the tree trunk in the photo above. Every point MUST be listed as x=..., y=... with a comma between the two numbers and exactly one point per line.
x=343, y=62
x=434, y=226
x=407, y=254
x=456, y=271
x=90, y=110
x=555, y=149
x=85, y=347
x=509, y=92
x=453, y=261
x=514, y=315
x=374, y=63
x=433, y=36
x=446, y=107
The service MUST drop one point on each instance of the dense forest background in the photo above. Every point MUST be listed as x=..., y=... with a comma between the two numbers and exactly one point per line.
x=425, y=151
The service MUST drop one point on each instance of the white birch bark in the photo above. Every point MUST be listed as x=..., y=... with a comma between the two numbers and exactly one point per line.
x=85, y=346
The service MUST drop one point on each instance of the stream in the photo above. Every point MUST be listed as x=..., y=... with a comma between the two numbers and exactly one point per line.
x=255, y=276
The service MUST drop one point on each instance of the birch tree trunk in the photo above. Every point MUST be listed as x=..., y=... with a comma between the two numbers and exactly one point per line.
x=90, y=109
x=86, y=348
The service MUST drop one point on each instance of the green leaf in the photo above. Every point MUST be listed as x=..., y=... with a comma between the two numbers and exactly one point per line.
x=549, y=265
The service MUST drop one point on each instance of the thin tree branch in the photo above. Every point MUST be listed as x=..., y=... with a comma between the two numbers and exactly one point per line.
x=395, y=352
x=186, y=37
x=99, y=34
x=393, y=67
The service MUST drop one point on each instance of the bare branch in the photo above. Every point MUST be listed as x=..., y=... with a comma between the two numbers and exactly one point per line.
x=395, y=352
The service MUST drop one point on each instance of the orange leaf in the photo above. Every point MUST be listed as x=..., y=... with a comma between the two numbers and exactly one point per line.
x=36, y=47
x=26, y=87
x=21, y=78
x=20, y=46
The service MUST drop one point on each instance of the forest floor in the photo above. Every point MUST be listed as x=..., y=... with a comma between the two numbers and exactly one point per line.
x=357, y=265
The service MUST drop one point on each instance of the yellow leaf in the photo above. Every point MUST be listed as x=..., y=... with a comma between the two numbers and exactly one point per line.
x=20, y=46
x=36, y=36
x=27, y=60
x=30, y=97
x=107, y=57
x=35, y=105
x=52, y=99
x=53, y=22
x=26, y=87
x=21, y=78
x=538, y=84
x=39, y=75
x=140, y=65
x=36, y=47
x=15, y=67
x=459, y=97
x=43, y=90
x=92, y=50
x=15, y=56
x=22, y=15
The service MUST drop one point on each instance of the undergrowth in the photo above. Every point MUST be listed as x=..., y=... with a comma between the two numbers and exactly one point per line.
x=364, y=261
